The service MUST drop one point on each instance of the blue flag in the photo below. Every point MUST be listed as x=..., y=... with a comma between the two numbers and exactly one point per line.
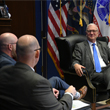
x=77, y=13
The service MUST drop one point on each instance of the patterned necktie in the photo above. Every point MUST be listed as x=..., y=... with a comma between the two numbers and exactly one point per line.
x=96, y=59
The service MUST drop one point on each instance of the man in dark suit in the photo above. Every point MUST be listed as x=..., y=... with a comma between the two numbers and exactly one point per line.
x=23, y=89
x=7, y=49
x=83, y=57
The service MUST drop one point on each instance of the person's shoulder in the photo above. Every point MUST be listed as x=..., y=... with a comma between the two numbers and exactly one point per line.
x=102, y=43
x=38, y=76
x=6, y=68
x=5, y=62
x=27, y=72
x=34, y=79
x=82, y=43
x=5, y=57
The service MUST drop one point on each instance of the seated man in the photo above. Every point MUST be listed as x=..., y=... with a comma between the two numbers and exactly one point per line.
x=8, y=52
x=94, y=56
x=22, y=88
x=7, y=49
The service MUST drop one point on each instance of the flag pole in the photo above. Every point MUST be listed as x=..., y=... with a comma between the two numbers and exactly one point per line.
x=44, y=39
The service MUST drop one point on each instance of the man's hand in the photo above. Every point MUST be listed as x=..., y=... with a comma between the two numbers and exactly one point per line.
x=71, y=89
x=78, y=69
x=55, y=92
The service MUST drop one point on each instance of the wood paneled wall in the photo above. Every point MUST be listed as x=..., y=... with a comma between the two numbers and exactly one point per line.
x=23, y=17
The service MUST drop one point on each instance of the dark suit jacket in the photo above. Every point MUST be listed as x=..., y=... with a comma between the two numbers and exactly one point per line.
x=6, y=60
x=82, y=54
x=23, y=89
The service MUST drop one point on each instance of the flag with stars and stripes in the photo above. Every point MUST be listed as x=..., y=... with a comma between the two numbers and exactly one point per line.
x=57, y=23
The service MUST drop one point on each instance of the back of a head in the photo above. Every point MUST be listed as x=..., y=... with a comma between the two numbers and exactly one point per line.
x=25, y=47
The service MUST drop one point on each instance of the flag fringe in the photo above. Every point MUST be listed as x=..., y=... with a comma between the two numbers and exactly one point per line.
x=80, y=21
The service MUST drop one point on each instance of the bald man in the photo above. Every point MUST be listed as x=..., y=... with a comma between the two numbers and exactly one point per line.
x=23, y=89
x=7, y=49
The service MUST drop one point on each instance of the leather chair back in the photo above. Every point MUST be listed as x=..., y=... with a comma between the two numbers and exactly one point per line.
x=66, y=46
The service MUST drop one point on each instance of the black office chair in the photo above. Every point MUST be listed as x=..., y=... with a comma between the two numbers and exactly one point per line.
x=96, y=91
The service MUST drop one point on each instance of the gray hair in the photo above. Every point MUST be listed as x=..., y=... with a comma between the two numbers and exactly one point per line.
x=91, y=24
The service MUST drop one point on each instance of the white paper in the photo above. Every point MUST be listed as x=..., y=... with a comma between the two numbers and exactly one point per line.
x=77, y=104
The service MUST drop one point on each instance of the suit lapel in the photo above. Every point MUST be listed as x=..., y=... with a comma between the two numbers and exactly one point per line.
x=100, y=50
x=88, y=51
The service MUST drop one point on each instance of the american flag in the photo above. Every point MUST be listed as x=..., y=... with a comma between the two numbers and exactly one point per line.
x=54, y=27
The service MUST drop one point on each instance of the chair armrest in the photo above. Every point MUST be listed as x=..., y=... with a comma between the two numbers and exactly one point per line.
x=85, y=75
x=99, y=86
x=73, y=79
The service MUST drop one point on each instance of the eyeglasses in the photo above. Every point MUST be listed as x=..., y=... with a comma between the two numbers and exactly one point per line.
x=38, y=49
x=89, y=31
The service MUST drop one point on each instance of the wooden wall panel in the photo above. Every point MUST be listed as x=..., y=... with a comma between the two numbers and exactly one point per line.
x=23, y=17
x=5, y=25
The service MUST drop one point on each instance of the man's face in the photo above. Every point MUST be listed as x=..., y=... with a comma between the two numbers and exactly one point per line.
x=92, y=33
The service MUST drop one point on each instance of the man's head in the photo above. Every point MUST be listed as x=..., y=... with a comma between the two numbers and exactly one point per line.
x=8, y=44
x=28, y=50
x=92, y=32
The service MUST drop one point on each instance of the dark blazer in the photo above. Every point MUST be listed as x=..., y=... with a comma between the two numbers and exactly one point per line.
x=82, y=54
x=6, y=60
x=23, y=89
